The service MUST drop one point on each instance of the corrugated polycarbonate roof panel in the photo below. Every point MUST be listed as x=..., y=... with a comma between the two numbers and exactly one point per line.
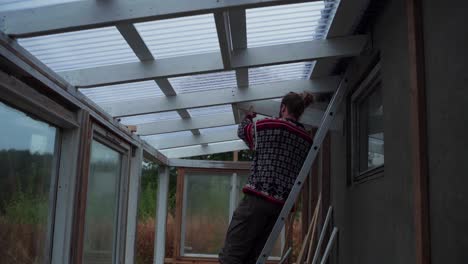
x=80, y=49
x=204, y=82
x=281, y=72
x=149, y=118
x=123, y=92
x=203, y=111
x=289, y=23
x=180, y=36
x=221, y=129
x=152, y=139
x=11, y=5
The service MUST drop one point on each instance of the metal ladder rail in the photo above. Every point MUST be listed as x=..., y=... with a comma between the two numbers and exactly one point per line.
x=296, y=189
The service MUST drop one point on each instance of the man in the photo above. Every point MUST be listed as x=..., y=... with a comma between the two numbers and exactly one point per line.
x=281, y=146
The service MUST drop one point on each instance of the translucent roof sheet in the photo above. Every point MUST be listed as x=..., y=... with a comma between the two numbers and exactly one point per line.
x=289, y=23
x=204, y=82
x=80, y=49
x=152, y=139
x=281, y=72
x=210, y=110
x=149, y=118
x=180, y=36
x=123, y=92
x=10, y=5
x=217, y=129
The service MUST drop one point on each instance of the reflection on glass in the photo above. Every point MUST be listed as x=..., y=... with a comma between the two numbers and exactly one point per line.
x=206, y=212
x=371, y=131
x=27, y=150
x=101, y=204
x=147, y=213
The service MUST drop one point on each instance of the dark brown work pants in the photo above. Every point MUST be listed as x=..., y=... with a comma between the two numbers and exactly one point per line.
x=249, y=229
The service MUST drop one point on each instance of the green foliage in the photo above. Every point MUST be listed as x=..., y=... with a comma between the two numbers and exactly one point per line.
x=172, y=190
x=24, y=186
x=25, y=208
x=148, y=192
x=246, y=155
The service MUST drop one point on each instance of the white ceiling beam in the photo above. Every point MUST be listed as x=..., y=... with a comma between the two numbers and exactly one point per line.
x=199, y=150
x=196, y=122
x=212, y=62
x=82, y=15
x=238, y=24
x=312, y=117
x=220, y=97
x=190, y=140
x=224, y=37
x=168, y=90
x=134, y=40
x=166, y=87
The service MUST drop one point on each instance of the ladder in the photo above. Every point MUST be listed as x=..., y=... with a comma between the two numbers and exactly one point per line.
x=296, y=189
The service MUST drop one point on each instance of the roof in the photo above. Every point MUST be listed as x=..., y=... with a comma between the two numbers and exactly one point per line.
x=193, y=62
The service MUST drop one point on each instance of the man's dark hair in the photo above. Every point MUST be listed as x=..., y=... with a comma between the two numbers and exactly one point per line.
x=296, y=103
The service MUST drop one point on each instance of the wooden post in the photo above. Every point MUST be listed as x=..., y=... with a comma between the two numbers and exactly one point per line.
x=418, y=131
x=178, y=213
x=81, y=188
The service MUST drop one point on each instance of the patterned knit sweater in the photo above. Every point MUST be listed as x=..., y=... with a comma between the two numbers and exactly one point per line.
x=281, y=146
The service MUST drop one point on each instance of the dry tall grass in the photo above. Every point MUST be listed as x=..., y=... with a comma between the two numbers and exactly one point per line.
x=21, y=243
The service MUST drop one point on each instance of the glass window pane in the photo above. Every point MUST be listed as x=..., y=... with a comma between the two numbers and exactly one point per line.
x=101, y=204
x=371, y=131
x=27, y=151
x=147, y=213
x=206, y=212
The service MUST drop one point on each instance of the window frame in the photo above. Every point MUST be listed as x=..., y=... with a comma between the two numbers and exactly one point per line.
x=364, y=89
x=107, y=138
x=180, y=212
x=22, y=97
x=54, y=175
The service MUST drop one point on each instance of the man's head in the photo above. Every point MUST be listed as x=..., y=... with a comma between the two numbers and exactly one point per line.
x=294, y=104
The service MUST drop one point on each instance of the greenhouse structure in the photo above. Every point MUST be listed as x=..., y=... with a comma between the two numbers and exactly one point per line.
x=119, y=128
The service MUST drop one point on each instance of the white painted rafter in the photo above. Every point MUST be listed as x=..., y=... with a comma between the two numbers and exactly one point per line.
x=238, y=25
x=190, y=140
x=219, y=97
x=212, y=62
x=134, y=40
x=224, y=37
x=169, y=91
x=196, y=122
x=198, y=150
x=94, y=14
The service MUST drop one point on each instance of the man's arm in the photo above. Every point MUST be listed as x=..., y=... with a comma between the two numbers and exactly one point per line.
x=245, y=129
